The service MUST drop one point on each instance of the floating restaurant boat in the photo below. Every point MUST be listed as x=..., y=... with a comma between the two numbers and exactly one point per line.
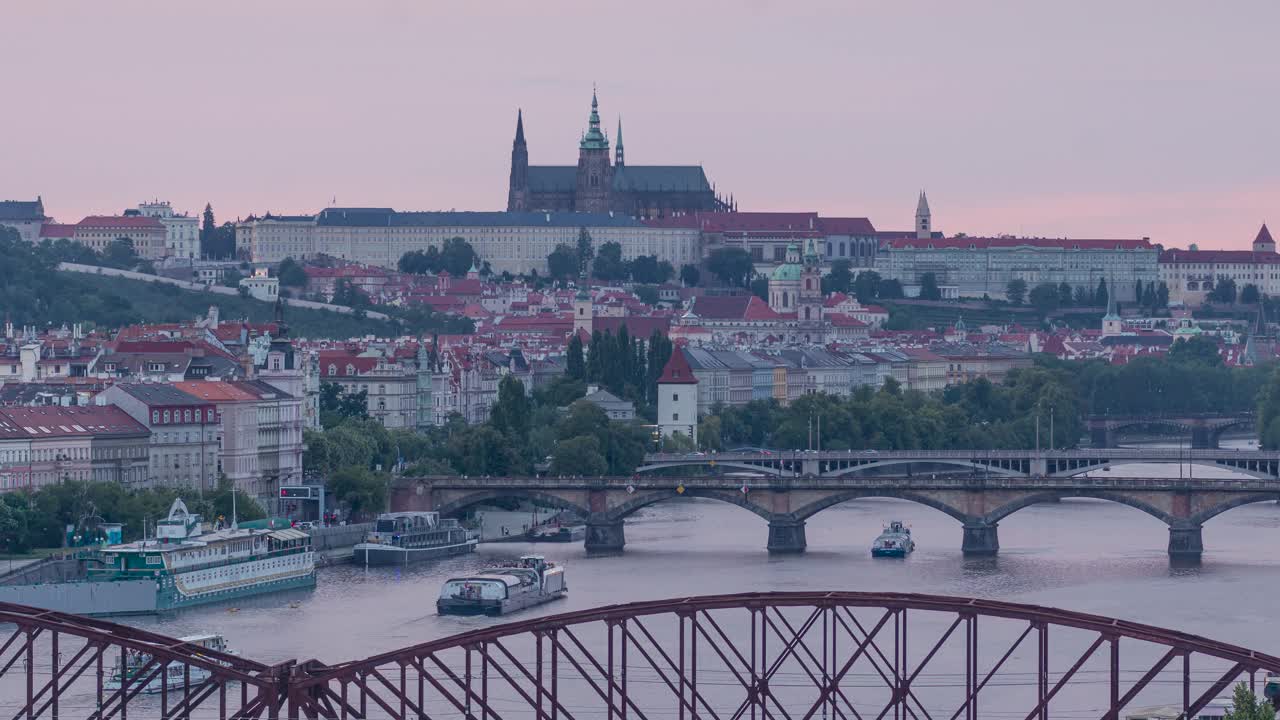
x=182, y=566
x=895, y=541
x=400, y=538
x=503, y=589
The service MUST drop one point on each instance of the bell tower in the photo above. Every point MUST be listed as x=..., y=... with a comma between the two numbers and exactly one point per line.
x=595, y=174
x=924, y=219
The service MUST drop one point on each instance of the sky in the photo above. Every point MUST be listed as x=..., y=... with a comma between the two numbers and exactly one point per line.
x=1088, y=119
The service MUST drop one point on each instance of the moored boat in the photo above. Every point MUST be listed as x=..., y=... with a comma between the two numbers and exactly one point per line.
x=895, y=541
x=175, y=676
x=400, y=538
x=503, y=589
x=181, y=566
x=557, y=533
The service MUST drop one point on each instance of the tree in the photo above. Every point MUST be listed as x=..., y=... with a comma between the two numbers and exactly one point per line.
x=1044, y=297
x=291, y=273
x=866, y=286
x=1162, y=295
x=362, y=492
x=457, y=257
x=1100, y=296
x=608, y=265
x=1196, y=350
x=231, y=278
x=562, y=263
x=1137, y=290
x=585, y=251
x=1016, y=291
x=689, y=275
x=929, y=287
x=731, y=266
x=1245, y=706
x=1081, y=297
x=120, y=253
x=578, y=456
x=648, y=294
x=575, y=363
x=208, y=229
x=1064, y=294
x=336, y=404
x=420, y=262
x=890, y=289
x=649, y=270
x=1224, y=291
x=510, y=414
x=760, y=287
x=840, y=279
x=1249, y=295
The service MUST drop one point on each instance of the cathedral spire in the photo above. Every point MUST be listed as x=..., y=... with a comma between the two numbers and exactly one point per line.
x=594, y=139
x=618, y=146
x=519, y=126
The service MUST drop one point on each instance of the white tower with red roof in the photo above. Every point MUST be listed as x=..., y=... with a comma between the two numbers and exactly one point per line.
x=1263, y=242
x=678, y=398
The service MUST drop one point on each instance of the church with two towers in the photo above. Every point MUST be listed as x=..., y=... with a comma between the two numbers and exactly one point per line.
x=603, y=182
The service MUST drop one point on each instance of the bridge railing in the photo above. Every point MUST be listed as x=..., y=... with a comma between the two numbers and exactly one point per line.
x=918, y=481
x=976, y=455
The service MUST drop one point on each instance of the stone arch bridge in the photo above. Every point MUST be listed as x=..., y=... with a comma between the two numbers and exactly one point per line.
x=1204, y=429
x=786, y=503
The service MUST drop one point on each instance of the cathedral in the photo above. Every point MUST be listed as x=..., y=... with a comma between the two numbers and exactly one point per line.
x=600, y=183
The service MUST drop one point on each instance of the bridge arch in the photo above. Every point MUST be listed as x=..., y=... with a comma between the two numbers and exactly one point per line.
x=466, y=502
x=711, y=461
x=1246, y=421
x=646, y=498
x=891, y=462
x=1240, y=501
x=813, y=508
x=1008, y=509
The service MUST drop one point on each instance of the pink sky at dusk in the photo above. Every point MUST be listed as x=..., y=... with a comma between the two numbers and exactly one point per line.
x=1088, y=119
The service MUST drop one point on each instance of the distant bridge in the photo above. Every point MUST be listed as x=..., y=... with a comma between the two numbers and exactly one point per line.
x=1009, y=463
x=787, y=502
x=1205, y=429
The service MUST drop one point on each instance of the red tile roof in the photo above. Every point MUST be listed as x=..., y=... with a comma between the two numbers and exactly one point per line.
x=52, y=421
x=677, y=370
x=55, y=230
x=340, y=361
x=965, y=243
x=1220, y=257
x=847, y=226
x=1264, y=236
x=137, y=222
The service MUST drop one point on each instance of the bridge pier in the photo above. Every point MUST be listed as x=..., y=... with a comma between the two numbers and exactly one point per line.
x=1100, y=437
x=605, y=537
x=1203, y=439
x=1186, y=542
x=786, y=536
x=980, y=538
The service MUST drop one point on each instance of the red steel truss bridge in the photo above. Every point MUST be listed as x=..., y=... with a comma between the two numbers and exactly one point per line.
x=757, y=656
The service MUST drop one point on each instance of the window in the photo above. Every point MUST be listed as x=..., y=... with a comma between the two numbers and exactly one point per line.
x=155, y=416
x=166, y=416
x=186, y=416
x=675, y=397
x=675, y=416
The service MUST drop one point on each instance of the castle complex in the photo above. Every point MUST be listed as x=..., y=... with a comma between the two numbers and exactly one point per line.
x=599, y=184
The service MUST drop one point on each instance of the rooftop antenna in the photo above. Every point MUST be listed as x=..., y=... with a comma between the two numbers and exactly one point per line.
x=234, y=524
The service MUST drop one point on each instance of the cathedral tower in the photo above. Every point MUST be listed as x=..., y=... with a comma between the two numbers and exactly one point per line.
x=924, y=219
x=809, y=307
x=595, y=174
x=518, y=187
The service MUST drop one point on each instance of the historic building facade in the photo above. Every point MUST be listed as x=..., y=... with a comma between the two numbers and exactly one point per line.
x=1191, y=274
x=600, y=184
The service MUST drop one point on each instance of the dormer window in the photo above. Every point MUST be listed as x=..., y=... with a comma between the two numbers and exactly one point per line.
x=351, y=369
x=333, y=369
x=155, y=416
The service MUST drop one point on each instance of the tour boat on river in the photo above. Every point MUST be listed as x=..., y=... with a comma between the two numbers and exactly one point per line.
x=895, y=541
x=503, y=589
x=176, y=675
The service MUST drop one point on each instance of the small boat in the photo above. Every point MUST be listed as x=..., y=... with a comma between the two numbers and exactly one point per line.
x=138, y=666
x=895, y=541
x=504, y=588
x=400, y=538
x=556, y=533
